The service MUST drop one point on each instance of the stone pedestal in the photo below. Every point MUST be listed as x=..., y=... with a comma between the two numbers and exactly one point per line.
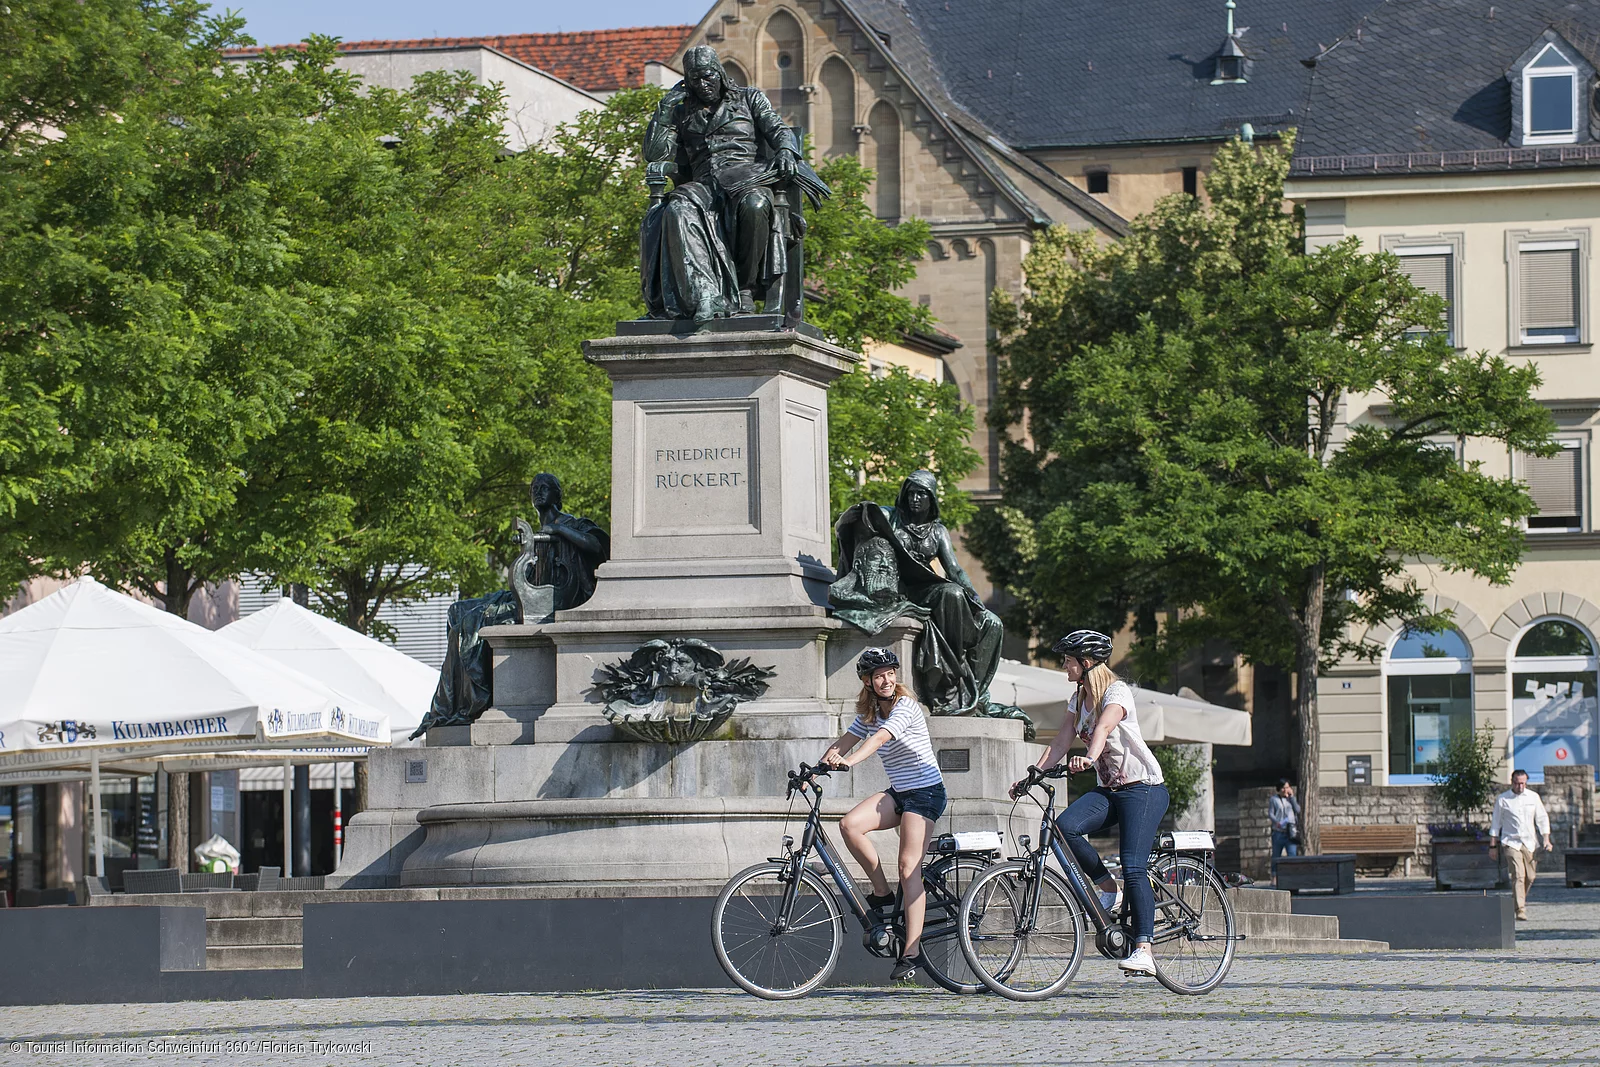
x=719, y=499
x=720, y=530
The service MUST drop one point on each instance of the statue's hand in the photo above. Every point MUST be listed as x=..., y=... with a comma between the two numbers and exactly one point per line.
x=671, y=99
x=784, y=163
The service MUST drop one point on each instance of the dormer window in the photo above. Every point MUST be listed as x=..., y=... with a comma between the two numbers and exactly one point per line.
x=1230, y=68
x=1228, y=64
x=1550, y=99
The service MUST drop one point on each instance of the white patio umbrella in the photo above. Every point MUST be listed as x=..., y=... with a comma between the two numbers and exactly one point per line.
x=377, y=674
x=351, y=662
x=1163, y=717
x=90, y=676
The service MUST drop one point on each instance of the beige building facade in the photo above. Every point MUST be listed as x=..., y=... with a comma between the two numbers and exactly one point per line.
x=1481, y=241
x=1502, y=227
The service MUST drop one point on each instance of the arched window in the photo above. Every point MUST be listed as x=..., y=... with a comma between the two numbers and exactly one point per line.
x=1553, y=696
x=735, y=73
x=885, y=161
x=834, y=112
x=782, y=65
x=1430, y=701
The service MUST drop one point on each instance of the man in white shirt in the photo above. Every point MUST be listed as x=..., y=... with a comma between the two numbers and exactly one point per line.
x=1519, y=822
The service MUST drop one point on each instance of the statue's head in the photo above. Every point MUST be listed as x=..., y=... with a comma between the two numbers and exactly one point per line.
x=546, y=492
x=919, y=497
x=702, y=73
x=875, y=562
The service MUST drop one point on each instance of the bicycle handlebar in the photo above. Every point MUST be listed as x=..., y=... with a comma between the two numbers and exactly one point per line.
x=807, y=775
x=1037, y=776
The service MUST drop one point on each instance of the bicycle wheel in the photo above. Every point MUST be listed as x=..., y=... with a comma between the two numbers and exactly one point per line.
x=1016, y=954
x=1195, y=927
x=777, y=963
x=947, y=881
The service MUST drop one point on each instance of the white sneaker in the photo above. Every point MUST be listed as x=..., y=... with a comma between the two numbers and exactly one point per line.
x=1111, y=901
x=1141, y=962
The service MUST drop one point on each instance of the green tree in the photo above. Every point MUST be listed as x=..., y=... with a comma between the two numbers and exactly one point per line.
x=880, y=427
x=145, y=274
x=467, y=283
x=1468, y=772
x=61, y=62
x=1186, y=452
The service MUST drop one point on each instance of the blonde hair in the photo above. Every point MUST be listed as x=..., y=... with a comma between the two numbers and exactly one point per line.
x=1092, y=688
x=867, y=703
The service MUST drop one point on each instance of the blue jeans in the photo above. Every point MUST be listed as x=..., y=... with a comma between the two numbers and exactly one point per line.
x=1282, y=846
x=1137, y=810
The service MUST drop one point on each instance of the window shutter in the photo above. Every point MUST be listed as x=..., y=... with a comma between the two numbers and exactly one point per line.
x=256, y=594
x=1550, y=289
x=1430, y=273
x=1556, y=483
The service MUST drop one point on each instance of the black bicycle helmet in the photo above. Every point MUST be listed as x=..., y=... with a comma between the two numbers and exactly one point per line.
x=1084, y=644
x=875, y=659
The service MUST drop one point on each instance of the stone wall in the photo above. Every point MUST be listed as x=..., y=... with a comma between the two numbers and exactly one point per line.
x=1568, y=794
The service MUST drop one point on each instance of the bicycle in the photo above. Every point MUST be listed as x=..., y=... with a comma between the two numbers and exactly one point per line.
x=777, y=926
x=1022, y=926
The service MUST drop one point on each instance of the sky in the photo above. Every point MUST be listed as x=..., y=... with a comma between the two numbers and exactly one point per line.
x=287, y=21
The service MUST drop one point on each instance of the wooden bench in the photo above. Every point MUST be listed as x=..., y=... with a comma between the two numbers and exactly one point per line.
x=1393, y=839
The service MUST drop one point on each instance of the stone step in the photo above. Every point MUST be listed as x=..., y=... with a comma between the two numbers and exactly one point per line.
x=252, y=957
x=1266, y=901
x=1265, y=924
x=285, y=930
x=1264, y=946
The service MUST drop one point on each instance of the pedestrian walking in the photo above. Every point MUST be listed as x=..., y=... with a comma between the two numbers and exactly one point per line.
x=1519, y=823
x=1283, y=811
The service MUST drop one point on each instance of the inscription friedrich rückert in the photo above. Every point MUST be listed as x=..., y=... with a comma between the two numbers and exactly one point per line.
x=697, y=479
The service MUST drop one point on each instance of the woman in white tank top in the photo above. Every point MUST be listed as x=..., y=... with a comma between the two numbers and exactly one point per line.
x=1130, y=793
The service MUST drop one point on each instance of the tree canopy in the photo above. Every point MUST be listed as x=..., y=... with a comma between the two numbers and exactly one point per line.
x=1186, y=461
x=260, y=317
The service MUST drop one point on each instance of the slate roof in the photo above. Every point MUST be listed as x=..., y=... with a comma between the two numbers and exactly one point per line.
x=1444, y=103
x=1084, y=72
x=593, y=60
x=900, y=40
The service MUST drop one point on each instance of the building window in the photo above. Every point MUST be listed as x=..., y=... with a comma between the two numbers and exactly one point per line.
x=1549, y=287
x=1191, y=180
x=1099, y=181
x=1556, y=485
x=1431, y=268
x=1430, y=701
x=1553, y=697
x=1549, y=308
x=1550, y=99
x=1433, y=263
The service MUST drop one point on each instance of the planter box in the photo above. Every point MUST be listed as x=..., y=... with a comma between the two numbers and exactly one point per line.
x=1465, y=863
x=1335, y=871
x=1583, y=866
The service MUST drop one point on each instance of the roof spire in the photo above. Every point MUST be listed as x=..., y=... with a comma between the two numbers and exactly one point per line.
x=1228, y=62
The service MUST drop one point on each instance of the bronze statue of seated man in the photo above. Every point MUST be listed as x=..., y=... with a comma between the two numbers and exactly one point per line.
x=730, y=228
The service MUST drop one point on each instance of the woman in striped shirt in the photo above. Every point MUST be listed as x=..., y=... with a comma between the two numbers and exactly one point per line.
x=890, y=722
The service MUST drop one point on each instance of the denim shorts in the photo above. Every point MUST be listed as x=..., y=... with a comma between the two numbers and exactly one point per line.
x=928, y=802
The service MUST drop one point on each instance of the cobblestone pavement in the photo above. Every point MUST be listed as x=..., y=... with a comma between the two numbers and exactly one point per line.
x=1537, y=1005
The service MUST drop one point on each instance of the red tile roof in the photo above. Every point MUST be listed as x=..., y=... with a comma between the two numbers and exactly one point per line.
x=595, y=60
